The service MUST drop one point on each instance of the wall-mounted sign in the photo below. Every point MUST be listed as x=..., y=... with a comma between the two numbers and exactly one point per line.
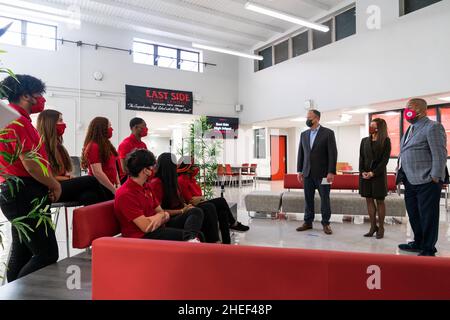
x=224, y=127
x=158, y=100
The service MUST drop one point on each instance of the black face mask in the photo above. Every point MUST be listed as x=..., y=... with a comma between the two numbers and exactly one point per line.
x=309, y=123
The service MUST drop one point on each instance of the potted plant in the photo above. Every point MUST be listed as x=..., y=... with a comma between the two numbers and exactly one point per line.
x=204, y=150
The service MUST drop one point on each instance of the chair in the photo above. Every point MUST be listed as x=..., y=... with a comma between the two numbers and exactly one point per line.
x=253, y=173
x=76, y=172
x=220, y=174
x=229, y=173
x=245, y=170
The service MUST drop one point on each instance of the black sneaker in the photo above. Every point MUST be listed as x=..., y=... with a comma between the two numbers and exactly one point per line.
x=410, y=247
x=239, y=227
x=427, y=254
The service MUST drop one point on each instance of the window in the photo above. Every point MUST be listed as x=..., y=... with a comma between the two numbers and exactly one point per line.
x=282, y=52
x=445, y=120
x=393, y=120
x=29, y=34
x=189, y=61
x=346, y=24
x=267, y=61
x=260, y=143
x=300, y=44
x=143, y=53
x=409, y=6
x=167, y=57
x=321, y=39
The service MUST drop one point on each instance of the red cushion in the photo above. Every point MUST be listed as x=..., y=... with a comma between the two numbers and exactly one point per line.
x=187, y=271
x=291, y=182
x=345, y=182
x=92, y=222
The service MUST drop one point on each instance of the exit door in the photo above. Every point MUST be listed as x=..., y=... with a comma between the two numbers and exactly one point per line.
x=278, y=156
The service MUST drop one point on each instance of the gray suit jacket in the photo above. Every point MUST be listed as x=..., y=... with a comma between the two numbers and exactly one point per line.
x=424, y=156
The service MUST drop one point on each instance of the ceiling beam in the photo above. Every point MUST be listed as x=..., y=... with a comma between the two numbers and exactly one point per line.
x=151, y=13
x=317, y=4
x=225, y=15
x=155, y=29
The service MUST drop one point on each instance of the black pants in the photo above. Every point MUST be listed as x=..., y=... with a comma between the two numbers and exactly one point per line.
x=86, y=190
x=181, y=227
x=210, y=222
x=225, y=217
x=422, y=204
x=41, y=250
x=310, y=186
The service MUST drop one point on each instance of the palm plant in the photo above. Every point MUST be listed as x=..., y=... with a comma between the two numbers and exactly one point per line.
x=205, y=151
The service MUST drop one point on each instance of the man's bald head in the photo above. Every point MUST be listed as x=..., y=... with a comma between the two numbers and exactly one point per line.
x=419, y=105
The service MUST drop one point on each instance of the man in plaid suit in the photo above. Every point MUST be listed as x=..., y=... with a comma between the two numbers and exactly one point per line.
x=422, y=170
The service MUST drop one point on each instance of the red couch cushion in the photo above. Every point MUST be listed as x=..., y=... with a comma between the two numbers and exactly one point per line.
x=92, y=222
x=187, y=271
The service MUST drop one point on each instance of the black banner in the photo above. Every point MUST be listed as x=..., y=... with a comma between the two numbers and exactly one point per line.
x=158, y=100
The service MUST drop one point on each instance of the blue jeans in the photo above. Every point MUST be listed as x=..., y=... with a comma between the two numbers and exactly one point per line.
x=310, y=186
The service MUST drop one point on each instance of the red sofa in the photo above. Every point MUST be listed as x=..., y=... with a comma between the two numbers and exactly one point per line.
x=341, y=182
x=169, y=270
x=93, y=222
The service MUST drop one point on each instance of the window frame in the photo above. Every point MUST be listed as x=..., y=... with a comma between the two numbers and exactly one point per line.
x=24, y=32
x=178, y=57
x=256, y=149
x=402, y=8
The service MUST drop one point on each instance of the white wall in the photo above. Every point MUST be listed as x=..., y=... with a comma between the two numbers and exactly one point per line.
x=407, y=57
x=70, y=68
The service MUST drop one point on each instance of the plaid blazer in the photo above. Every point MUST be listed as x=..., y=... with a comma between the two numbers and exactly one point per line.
x=424, y=155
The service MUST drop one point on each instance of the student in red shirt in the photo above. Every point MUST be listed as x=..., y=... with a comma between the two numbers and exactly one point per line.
x=139, y=213
x=100, y=156
x=166, y=191
x=85, y=190
x=192, y=194
x=24, y=94
x=139, y=130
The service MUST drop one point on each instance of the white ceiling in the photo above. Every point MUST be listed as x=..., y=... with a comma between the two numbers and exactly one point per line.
x=217, y=22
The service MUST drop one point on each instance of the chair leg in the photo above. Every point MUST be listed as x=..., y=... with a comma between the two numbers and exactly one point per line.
x=67, y=232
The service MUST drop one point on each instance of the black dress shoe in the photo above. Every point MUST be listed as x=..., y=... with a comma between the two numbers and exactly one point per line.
x=410, y=247
x=427, y=254
x=240, y=227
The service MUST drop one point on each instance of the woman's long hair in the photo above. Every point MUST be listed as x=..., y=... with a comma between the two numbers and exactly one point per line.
x=382, y=130
x=167, y=171
x=98, y=133
x=57, y=155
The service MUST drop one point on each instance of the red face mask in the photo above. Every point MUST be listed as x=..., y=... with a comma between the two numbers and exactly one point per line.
x=372, y=130
x=144, y=132
x=410, y=114
x=39, y=106
x=60, y=128
x=110, y=132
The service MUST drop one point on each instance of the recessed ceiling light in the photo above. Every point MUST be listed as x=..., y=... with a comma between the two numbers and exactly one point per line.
x=445, y=99
x=334, y=122
x=162, y=129
x=362, y=110
x=301, y=119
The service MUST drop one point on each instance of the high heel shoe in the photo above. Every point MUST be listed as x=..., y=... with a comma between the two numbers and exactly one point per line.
x=371, y=232
x=380, y=233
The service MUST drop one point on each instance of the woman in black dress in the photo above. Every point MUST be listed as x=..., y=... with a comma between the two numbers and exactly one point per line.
x=374, y=155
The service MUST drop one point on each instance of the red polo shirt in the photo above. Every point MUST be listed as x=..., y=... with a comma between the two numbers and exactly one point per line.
x=127, y=146
x=158, y=192
x=109, y=167
x=189, y=187
x=131, y=202
x=26, y=135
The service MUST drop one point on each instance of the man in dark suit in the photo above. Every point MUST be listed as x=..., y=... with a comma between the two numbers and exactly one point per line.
x=317, y=157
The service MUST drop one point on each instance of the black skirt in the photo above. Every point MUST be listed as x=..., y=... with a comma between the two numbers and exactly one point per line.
x=375, y=187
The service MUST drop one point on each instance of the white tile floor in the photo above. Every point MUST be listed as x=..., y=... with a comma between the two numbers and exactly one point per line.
x=347, y=236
